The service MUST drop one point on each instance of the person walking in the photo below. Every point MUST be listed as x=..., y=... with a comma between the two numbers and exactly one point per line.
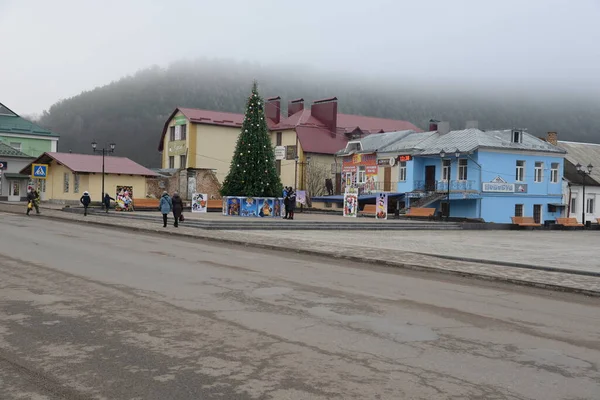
x=85, y=200
x=33, y=200
x=291, y=203
x=165, y=207
x=177, y=208
x=106, y=201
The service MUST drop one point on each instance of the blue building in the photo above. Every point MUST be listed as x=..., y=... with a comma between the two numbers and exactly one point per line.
x=471, y=173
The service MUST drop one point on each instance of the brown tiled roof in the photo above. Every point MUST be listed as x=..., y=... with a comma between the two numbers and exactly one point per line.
x=87, y=163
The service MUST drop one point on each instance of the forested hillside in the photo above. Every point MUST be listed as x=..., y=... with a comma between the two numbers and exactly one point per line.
x=132, y=111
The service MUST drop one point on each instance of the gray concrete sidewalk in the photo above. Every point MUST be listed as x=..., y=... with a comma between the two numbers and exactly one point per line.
x=380, y=249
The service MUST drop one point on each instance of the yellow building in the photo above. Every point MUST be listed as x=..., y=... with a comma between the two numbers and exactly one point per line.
x=305, y=140
x=69, y=175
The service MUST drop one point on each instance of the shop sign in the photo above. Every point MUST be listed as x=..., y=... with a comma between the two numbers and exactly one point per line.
x=3, y=165
x=177, y=148
x=404, y=158
x=279, y=152
x=180, y=120
x=371, y=169
x=521, y=188
x=498, y=185
x=386, y=162
x=349, y=168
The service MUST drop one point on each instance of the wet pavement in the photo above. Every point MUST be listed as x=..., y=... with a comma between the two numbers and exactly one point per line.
x=90, y=312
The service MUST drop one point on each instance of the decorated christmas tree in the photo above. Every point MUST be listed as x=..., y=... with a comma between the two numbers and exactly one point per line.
x=252, y=172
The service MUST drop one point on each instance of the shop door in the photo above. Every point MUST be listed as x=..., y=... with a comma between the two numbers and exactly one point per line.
x=430, y=178
x=14, y=191
x=387, y=179
x=537, y=213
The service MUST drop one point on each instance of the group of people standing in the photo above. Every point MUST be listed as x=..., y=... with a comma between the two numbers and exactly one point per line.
x=289, y=202
x=86, y=200
x=170, y=204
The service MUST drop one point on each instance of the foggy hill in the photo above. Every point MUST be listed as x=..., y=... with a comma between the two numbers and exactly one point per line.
x=132, y=111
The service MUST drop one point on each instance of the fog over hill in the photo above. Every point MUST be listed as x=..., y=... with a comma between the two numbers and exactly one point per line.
x=133, y=110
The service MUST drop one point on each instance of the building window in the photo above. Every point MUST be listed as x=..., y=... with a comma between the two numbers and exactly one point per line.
x=462, y=169
x=279, y=138
x=402, y=170
x=172, y=134
x=183, y=161
x=446, y=169
x=362, y=175
x=554, y=172
x=520, y=176
x=66, y=182
x=518, y=210
x=538, y=174
x=574, y=204
x=589, y=206
x=16, y=145
x=75, y=183
x=183, y=132
x=517, y=136
x=171, y=162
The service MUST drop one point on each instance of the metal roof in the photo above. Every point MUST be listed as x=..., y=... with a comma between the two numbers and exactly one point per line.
x=87, y=163
x=584, y=154
x=466, y=140
x=7, y=151
x=17, y=125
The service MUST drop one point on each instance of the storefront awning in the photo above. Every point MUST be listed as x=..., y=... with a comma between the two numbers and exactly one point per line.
x=557, y=204
x=13, y=175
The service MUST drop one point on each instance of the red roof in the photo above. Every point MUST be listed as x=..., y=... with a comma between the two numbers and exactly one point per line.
x=314, y=136
x=86, y=163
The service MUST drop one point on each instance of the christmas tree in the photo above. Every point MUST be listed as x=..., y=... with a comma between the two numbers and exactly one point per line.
x=252, y=172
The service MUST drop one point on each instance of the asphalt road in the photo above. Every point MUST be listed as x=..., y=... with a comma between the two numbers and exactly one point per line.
x=90, y=313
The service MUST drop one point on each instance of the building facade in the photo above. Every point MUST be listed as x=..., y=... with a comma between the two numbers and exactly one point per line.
x=305, y=140
x=470, y=173
x=69, y=175
x=13, y=184
x=25, y=136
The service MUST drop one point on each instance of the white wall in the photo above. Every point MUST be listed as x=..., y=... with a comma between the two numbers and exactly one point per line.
x=591, y=192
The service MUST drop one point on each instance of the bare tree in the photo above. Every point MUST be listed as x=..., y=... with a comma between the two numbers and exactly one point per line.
x=316, y=175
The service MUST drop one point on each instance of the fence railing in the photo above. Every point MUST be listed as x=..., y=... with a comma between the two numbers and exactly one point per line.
x=442, y=186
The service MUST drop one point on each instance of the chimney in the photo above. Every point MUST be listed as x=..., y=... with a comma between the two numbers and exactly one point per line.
x=443, y=127
x=433, y=125
x=273, y=109
x=472, y=125
x=326, y=111
x=294, y=106
x=552, y=138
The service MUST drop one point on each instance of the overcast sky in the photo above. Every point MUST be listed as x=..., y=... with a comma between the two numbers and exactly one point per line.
x=56, y=49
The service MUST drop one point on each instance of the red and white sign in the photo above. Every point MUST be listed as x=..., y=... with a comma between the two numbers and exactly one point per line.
x=3, y=165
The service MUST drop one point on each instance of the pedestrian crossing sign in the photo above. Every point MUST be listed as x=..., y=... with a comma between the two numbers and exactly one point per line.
x=39, y=171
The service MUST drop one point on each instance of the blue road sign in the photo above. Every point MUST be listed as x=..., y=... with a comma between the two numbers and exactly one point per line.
x=39, y=171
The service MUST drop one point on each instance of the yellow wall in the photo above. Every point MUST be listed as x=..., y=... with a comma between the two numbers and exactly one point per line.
x=112, y=181
x=214, y=148
x=288, y=167
x=89, y=182
x=165, y=154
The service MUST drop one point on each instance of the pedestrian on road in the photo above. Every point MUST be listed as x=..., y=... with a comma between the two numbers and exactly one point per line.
x=291, y=203
x=165, y=207
x=33, y=200
x=177, y=208
x=85, y=200
x=107, y=200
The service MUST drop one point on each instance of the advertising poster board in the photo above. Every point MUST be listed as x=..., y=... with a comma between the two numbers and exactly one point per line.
x=249, y=207
x=351, y=202
x=382, y=206
x=199, y=202
x=233, y=206
x=301, y=197
x=124, y=198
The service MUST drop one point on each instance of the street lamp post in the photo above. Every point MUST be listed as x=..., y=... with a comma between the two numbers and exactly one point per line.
x=104, y=151
x=584, y=174
x=442, y=156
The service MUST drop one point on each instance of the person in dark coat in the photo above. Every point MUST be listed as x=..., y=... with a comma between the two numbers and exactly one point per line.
x=177, y=208
x=286, y=205
x=85, y=200
x=106, y=201
x=291, y=203
x=33, y=198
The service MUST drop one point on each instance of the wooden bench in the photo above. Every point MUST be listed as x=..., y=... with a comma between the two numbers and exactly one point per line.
x=214, y=205
x=524, y=222
x=369, y=209
x=420, y=212
x=569, y=222
x=146, y=204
